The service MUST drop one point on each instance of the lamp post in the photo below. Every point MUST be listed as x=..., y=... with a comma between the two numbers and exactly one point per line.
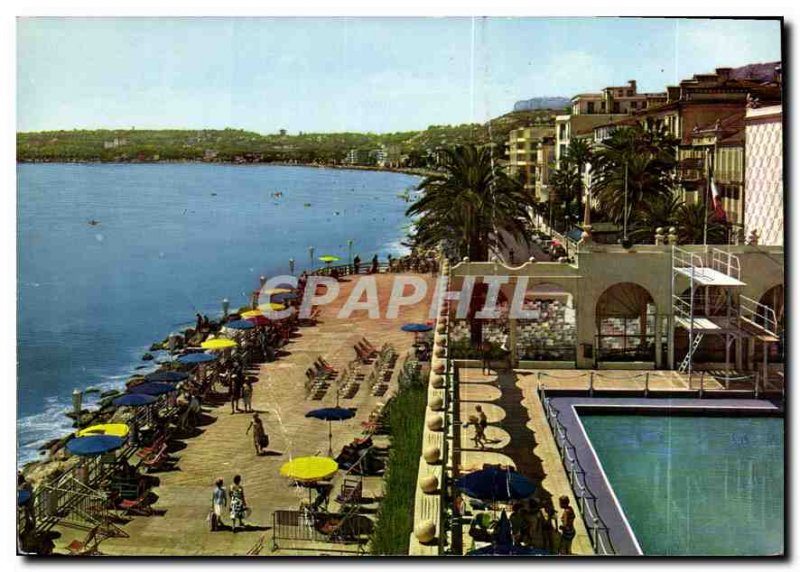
x=311, y=256
x=350, y=251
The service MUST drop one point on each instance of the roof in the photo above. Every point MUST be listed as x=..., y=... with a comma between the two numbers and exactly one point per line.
x=729, y=129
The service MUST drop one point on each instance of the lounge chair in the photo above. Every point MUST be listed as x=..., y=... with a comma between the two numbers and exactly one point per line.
x=138, y=507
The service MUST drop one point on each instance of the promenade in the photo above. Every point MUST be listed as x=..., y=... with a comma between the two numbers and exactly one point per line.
x=222, y=449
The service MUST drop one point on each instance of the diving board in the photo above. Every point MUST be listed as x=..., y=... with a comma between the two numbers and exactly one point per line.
x=705, y=276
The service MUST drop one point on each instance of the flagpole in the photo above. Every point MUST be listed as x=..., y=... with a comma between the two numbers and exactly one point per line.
x=706, y=197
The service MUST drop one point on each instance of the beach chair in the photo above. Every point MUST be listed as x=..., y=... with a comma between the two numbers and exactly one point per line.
x=362, y=355
x=137, y=507
x=156, y=460
x=351, y=492
x=88, y=546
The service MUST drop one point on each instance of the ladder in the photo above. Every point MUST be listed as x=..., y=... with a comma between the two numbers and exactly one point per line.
x=695, y=344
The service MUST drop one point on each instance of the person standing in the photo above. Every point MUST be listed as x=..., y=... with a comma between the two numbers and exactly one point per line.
x=247, y=396
x=238, y=503
x=236, y=390
x=219, y=500
x=374, y=269
x=486, y=351
x=567, y=526
x=356, y=264
x=260, y=438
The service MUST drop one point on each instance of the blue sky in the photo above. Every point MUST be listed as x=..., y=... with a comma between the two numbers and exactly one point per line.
x=337, y=74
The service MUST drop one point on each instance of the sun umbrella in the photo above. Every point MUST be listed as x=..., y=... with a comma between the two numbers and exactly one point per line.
x=154, y=388
x=416, y=328
x=240, y=325
x=328, y=258
x=94, y=445
x=134, y=400
x=218, y=344
x=23, y=497
x=113, y=429
x=259, y=320
x=195, y=358
x=306, y=469
x=285, y=296
x=495, y=484
x=271, y=307
x=331, y=414
x=273, y=291
x=167, y=376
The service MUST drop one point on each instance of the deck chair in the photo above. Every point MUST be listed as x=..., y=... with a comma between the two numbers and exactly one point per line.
x=257, y=547
x=87, y=546
x=137, y=507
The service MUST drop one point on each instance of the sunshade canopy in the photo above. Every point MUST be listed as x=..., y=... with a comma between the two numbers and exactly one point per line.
x=495, y=484
x=167, y=376
x=240, y=325
x=133, y=400
x=94, y=445
x=310, y=468
x=331, y=414
x=416, y=328
x=152, y=388
x=218, y=344
x=113, y=429
x=196, y=358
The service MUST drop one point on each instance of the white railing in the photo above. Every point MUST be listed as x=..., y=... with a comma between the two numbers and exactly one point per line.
x=758, y=314
x=587, y=501
x=684, y=259
x=726, y=262
x=682, y=307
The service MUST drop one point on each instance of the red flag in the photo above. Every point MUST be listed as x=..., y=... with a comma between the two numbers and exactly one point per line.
x=716, y=202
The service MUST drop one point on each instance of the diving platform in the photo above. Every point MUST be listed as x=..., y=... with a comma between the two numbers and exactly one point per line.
x=705, y=276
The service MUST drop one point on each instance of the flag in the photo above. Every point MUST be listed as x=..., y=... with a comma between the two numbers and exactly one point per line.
x=716, y=202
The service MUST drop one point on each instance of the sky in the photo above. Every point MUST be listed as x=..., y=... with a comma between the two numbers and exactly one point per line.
x=349, y=74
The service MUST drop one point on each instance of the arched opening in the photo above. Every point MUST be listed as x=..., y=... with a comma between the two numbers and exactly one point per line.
x=467, y=335
x=550, y=334
x=625, y=321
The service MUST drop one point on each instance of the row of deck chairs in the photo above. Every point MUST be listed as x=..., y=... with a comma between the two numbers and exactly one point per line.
x=382, y=369
x=318, y=379
x=350, y=380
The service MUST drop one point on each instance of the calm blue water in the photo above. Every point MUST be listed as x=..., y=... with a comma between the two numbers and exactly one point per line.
x=172, y=240
x=696, y=485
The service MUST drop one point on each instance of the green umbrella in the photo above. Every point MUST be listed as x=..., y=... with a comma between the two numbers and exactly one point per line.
x=328, y=258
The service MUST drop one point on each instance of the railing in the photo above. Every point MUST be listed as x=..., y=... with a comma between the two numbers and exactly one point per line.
x=302, y=526
x=682, y=259
x=587, y=501
x=726, y=262
x=758, y=314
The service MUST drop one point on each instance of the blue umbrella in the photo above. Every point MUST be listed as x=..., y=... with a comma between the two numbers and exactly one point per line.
x=152, y=388
x=331, y=414
x=416, y=328
x=94, y=445
x=495, y=484
x=195, y=358
x=23, y=497
x=133, y=400
x=283, y=297
x=240, y=325
x=167, y=376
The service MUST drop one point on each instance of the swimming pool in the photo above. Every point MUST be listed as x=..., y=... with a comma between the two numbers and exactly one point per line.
x=694, y=484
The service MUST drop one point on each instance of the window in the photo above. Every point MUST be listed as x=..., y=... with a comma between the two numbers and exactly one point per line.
x=616, y=107
x=630, y=93
x=590, y=107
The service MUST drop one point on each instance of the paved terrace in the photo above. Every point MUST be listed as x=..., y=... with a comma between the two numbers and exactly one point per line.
x=221, y=448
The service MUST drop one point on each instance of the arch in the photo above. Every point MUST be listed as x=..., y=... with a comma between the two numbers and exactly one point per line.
x=551, y=334
x=625, y=323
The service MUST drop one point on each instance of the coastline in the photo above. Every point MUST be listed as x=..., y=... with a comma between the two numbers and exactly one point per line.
x=418, y=172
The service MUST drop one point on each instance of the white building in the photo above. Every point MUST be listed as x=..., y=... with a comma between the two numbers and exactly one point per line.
x=764, y=174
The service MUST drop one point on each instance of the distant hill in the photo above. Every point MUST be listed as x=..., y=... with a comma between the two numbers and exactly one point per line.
x=141, y=145
x=542, y=103
x=765, y=72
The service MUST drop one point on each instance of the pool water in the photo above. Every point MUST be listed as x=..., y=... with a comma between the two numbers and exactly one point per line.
x=695, y=486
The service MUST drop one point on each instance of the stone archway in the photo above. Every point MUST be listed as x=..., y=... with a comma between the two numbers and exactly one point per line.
x=550, y=335
x=625, y=324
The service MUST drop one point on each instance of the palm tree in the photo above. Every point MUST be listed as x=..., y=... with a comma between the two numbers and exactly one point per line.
x=661, y=212
x=469, y=202
x=578, y=155
x=646, y=158
x=566, y=182
x=692, y=230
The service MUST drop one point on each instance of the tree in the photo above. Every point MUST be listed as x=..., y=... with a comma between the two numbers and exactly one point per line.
x=468, y=202
x=660, y=212
x=691, y=228
x=646, y=157
x=566, y=184
x=578, y=155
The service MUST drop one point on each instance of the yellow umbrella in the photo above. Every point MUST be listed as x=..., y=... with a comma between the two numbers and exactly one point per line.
x=308, y=469
x=273, y=306
x=113, y=429
x=218, y=344
x=273, y=291
x=252, y=314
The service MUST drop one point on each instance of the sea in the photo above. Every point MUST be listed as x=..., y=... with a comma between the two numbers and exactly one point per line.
x=113, y=257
